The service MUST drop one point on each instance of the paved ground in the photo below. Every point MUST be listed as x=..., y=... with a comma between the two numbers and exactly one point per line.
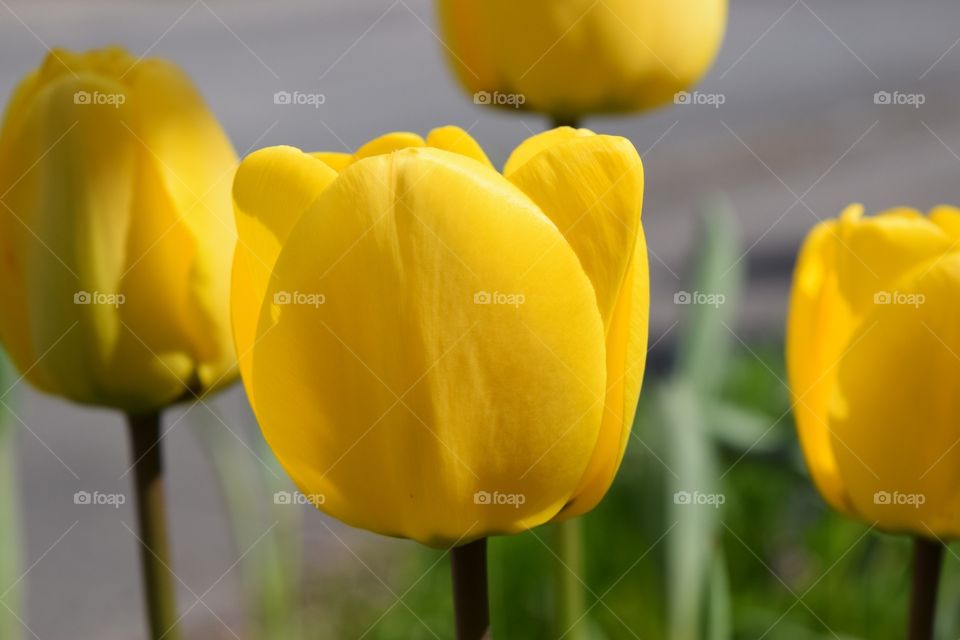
x=798, y=137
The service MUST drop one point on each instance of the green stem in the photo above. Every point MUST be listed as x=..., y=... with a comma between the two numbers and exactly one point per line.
x=471, y=601
x=11, y=591
x=564, y=121
x=927, y=561
x=570, y=601
x=152, y=521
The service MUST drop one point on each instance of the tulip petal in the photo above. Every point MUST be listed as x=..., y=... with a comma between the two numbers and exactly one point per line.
x=540, y=142
x=173, y=122
x=576, y=56
x=336, y=161
x=877, y=250
x=91, y=247
x=272, y=189
x=819, y=327
x=592, y=188
x=895, y=412
x=388, y=143
x=456, y=140
x=842, y=268
x=947, y=218
x=407, y=389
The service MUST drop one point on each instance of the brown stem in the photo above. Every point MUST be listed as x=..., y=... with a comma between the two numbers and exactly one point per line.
x=152, y=520
x=470, y=598
x=927, y=560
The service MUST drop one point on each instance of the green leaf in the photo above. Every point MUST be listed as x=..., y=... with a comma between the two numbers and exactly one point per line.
x=710, y=300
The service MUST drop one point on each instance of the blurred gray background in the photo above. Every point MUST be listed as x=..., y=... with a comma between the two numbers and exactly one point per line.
x=798, y=137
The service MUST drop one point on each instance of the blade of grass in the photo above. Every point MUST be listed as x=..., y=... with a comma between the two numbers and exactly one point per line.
x=10, y=567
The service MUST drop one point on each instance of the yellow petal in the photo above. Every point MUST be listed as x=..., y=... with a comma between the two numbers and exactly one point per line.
x=877, y=250
x=388, y=143
x=173, y=123
x=571, y=57
x=819, y=327
x=895, y=414
x=133, y=226
x=591, y=187
x=456, y=140
x=336, y=161
x=947, y=218
x=272, y=189
x=843, y=266
x=406, y=390
x=535, y=144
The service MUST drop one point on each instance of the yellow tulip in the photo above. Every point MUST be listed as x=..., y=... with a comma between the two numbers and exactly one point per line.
x=570, y=58
x=435, y=350
x=116, y=232
x=873, y=355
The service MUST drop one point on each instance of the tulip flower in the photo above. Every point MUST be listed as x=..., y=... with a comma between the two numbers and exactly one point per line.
x=570, y=58
x=435, y=350
x=116, y=236
x=872, y=355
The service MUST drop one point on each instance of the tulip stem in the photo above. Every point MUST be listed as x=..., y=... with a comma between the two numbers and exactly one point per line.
x=562, y=121
x=151, y=518
x=927, y=560
x=570, y=602
x=471, y=601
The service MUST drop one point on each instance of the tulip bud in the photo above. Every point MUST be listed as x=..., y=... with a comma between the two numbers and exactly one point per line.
x=570, y=58
x=435, y=350
x=115, y=231
x=873, y=358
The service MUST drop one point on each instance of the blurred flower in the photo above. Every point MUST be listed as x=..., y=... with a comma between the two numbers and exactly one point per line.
x=115, y=231
x=873, y=355
x=435, y=350
x=570, y=58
